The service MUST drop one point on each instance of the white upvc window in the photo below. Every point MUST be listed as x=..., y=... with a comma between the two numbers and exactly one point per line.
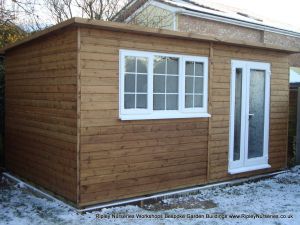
x=161, y=86
x=195, y=83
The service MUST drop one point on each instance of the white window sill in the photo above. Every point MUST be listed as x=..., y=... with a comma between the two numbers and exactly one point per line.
x=249, y=168
x=164, y=116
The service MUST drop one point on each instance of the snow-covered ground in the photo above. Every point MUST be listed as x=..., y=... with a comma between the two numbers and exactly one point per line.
x=278, y=197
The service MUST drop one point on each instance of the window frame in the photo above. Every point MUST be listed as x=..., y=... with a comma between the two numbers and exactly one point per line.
x=166, y=75
x=149, y=113
x=205, y=82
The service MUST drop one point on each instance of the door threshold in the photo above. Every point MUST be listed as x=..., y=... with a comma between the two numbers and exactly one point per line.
x=249, y=168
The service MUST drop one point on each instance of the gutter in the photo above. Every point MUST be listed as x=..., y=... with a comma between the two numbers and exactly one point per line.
x=237, y=22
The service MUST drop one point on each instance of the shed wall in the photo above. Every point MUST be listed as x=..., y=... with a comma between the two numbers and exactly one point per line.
x=40, y=107
x=121, y=159
x=220, y=104
x=293, y=99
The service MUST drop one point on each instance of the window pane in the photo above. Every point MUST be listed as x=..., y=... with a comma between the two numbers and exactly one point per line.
x=142, y=65
x=159, y=84
x=158, y=101
x=189, y=68
x=237, y=113
x=129, y=64
x=160, y=65
x=198, y=101
x=141, y=83
x=141, y=101
x=129, y=83
x=189, y=84
x=256, y=107
x=172, y=84
x=199, y=85
x=198, y=69
x=172, y=102
x=129, y=102
x=172, y=65
x=188, y=101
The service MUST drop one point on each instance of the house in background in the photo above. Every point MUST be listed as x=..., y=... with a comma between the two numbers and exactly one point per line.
x=208, y=18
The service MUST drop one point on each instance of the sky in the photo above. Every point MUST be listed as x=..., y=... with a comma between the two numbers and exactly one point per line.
x=294, y=75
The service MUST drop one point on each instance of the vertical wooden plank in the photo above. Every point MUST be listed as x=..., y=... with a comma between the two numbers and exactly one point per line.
x=292, y=126
x=211, y=63
x=298, y=129
x=78, y=112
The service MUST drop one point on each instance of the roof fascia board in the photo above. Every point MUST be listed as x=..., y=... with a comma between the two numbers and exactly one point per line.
x=40, y=33
x=131, y=3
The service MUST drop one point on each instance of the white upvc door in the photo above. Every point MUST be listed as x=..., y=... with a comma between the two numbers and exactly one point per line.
x=249, y=116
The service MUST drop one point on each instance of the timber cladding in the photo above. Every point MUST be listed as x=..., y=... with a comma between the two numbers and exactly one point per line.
x=40, y=112
x=63, y=130
x=220, y=100
x=121, y=159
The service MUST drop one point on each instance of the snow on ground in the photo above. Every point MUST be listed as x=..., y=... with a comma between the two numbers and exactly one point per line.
x=278, y=196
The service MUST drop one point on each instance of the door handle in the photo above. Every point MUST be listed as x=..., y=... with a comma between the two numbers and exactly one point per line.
x=251, y=115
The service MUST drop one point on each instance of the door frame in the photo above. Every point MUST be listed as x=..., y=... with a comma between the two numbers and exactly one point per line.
x=245, y=164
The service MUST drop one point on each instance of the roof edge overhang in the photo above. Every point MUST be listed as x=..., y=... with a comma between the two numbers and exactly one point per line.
x=38, y=35
x=113, y=26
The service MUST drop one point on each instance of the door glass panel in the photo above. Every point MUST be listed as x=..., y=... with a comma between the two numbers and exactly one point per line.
x=237, y=114
x=256, y=113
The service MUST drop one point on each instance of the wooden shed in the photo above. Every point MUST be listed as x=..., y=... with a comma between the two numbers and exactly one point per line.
x=98, y=112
